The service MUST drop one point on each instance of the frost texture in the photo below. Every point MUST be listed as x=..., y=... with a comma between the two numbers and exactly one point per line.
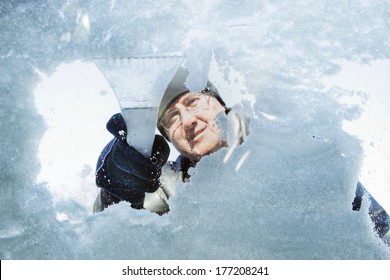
x=291, y=197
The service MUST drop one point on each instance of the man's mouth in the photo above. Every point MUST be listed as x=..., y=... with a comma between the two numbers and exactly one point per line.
x=193, y=137
x=198, y=134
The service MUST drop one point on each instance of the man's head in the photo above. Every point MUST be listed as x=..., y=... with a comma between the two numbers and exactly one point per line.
x=188, y=119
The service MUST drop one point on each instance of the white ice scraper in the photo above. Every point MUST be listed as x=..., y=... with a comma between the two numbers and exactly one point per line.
x=139, y=84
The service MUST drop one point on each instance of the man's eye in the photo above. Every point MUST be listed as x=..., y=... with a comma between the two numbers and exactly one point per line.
x=192, y=102
x=170, y=119
x=174, y=118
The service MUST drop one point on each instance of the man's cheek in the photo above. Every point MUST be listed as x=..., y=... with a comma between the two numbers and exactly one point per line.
x=184, y=146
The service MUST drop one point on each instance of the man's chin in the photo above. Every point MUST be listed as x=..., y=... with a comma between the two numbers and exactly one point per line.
x=197, y=155
x=198, y=151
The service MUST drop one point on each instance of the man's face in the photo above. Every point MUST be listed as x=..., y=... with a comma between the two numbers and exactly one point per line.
x=190, y=124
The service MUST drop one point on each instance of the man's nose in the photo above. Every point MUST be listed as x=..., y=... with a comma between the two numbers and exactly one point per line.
x=188, y=119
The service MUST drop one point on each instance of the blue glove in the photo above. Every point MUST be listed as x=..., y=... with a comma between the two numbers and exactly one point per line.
x=124, y=172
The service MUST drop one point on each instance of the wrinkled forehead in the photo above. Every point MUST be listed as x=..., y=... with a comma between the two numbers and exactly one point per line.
x=183, y=98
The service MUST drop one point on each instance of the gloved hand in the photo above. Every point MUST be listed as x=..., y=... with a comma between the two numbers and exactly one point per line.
x=126, y=173
x=125, y=165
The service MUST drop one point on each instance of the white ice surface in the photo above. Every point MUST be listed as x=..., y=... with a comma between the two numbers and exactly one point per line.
x=285, y=193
